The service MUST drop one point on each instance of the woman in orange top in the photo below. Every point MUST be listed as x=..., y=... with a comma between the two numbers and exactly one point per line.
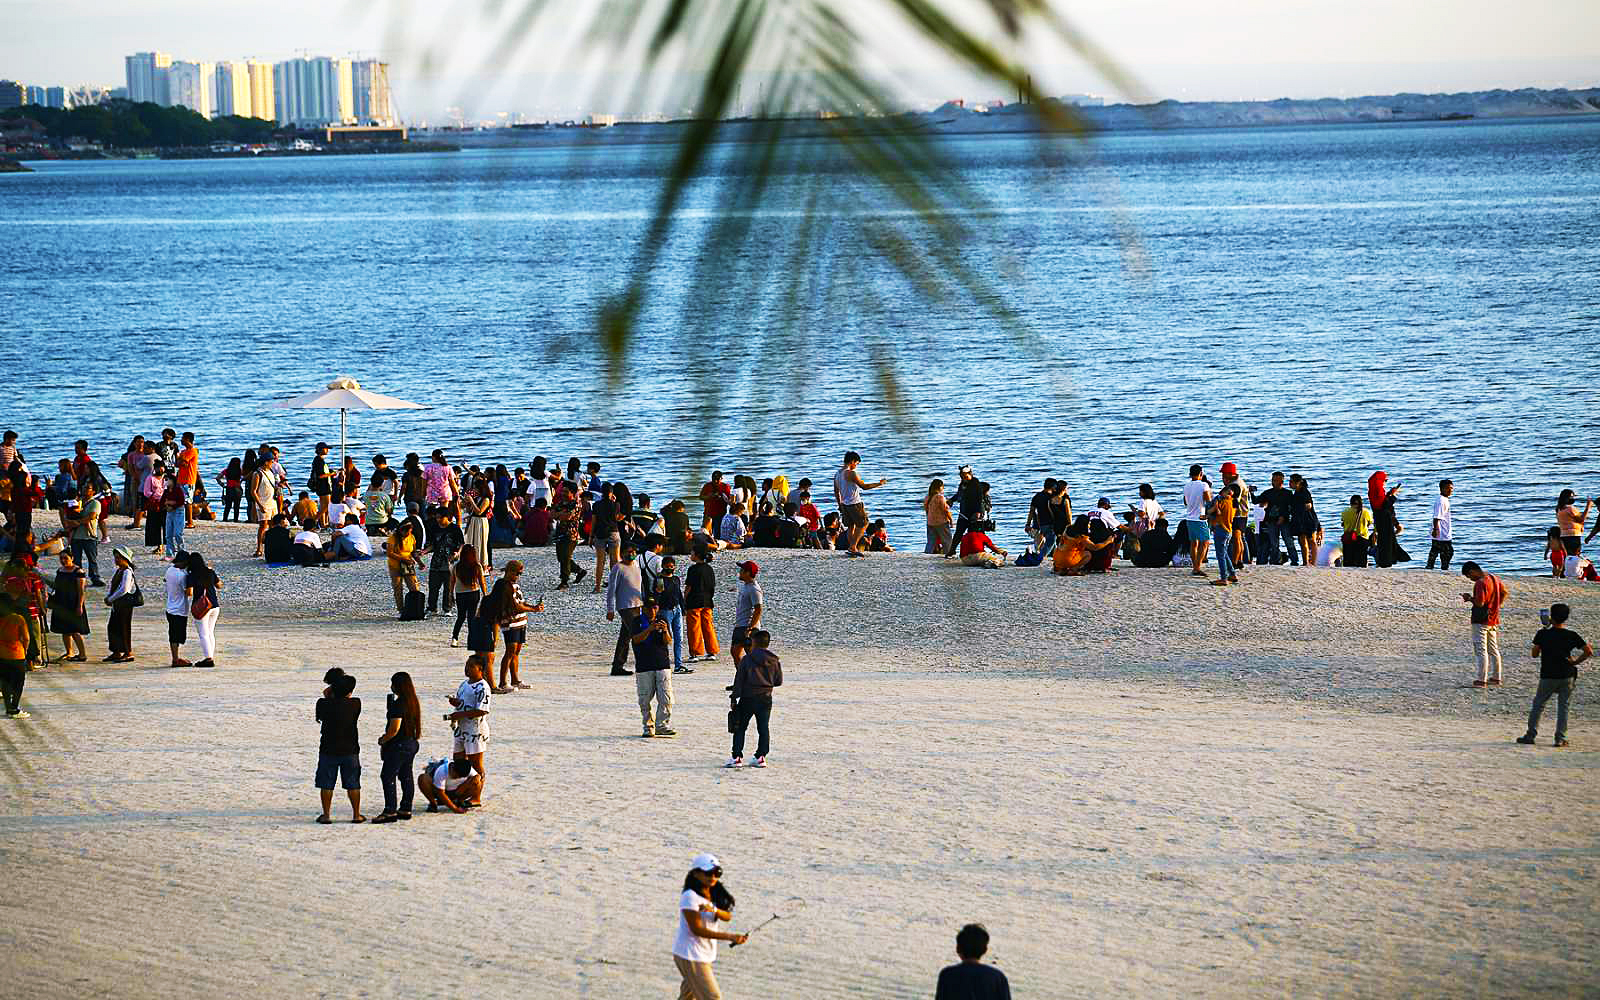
x=1074, y=550
x=14, y=648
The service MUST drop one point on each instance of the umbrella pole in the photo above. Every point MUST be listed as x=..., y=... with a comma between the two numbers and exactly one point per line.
x=341, y=440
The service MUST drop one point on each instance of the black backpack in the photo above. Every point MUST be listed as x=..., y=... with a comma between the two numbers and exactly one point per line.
x=415, y=607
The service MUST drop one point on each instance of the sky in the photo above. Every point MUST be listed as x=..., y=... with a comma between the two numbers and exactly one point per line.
x=445, y=53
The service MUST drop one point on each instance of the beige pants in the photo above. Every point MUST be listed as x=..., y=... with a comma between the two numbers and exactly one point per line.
x=986, y=559
x=699, y=982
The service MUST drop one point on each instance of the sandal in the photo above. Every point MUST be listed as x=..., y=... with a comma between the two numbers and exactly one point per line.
x=324, y=820
x=358, y=819
x=385, y=818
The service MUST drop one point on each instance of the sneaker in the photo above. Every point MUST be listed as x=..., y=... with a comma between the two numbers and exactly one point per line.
x=1480, y=684
x=1526, y=740
x=1560, y=741
x=734, y=762
x=759, y=762
x=665, y=731
x=18, y=715
x=455, y=643
x=648, y=732
x=683, y=670
x=621, y=672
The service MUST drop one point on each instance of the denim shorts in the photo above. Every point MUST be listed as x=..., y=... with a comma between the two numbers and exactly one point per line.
x=1199, y=530
x=346, y=768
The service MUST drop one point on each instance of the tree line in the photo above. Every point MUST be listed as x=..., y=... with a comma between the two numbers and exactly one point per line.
x=125, y=124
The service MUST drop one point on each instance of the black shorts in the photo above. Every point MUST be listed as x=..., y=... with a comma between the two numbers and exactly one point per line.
x=321, y=488
x=741, y=636
x=177, y=629
x=853, y=515
x=1241, y=524
x=1573, y=544
x=517, y=635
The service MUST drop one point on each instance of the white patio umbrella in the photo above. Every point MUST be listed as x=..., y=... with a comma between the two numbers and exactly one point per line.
x=344, y=394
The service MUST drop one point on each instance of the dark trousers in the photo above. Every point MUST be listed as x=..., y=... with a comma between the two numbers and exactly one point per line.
x=119, y=633
x=1562, y=689
x=962, y=526
x=564, y=549
x=398, y=755
x=1355, y=552
x=86, y=553
x=439, y=579
x=760, y=708
x=230, y=503
x=466, y=609
x=630, y=618
x=13, y=674
x=1284, y=533
x=1444, y=551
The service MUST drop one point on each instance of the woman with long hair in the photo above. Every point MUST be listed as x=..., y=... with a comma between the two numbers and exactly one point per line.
x=475, y=509
x=231, y=480
x=203, y=583
x=247, y=475
x=398, y=746
x=134, y=468
x=154, y=488
x=68, y=616
x=940, y=521
x=466, y=579
x=1307, y=526
x=702, y=905
x=1571, y=522
x=506, y=607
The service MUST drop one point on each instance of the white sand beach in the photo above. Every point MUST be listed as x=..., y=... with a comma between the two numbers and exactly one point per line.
x=1143, y=786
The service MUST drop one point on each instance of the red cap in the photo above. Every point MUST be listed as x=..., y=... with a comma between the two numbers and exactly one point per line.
x=751, y=566
x=1229, y=469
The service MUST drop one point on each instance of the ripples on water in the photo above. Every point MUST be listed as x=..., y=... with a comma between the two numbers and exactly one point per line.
x=1421, y=298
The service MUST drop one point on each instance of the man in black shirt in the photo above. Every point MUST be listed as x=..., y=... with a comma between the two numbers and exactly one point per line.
x=967, y=507
x=1558, y=671
x=441, y=552
x=1279, y=504
x=970, y=979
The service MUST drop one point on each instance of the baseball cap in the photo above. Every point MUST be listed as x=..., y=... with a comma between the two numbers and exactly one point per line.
x=705, y=862
x=1229, y=469
x=751, y=566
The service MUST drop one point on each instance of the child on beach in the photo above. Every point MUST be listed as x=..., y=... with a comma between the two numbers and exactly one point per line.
x=1555, y=552
x=1554, y=646
x=471, y=718
x=970, y=979
x=338, y=753
x=758, y=673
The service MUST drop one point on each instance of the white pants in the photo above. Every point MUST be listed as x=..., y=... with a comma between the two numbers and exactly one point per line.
x=207, y=629
x=1486, y=645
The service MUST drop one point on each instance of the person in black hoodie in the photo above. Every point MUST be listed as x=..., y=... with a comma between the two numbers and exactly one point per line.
x=1155, y=547
x=338, y=755
x=699, y=596
x=758, y=673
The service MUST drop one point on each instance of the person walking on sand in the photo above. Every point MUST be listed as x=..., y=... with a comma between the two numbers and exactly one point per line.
x=1442, y=548
x=704, y=903
x=339, y=752
x=747, y=611
x=970, y=979
x=466, y=579
x=624, y=595
x=652, y=670
x=14, y=640
x=1196, y=500
x=471, y=718
x=398, y=746
x=848, y=487
x=758, y=673
x=122, y=597
x=1487, y=595
x=1554, y=646
x=699, y=597
x=203, y=584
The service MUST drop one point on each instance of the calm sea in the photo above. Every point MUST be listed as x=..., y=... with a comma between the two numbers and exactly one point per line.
x=1419, y=298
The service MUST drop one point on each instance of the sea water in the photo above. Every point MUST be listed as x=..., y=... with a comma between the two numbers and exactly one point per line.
x=1421, y=298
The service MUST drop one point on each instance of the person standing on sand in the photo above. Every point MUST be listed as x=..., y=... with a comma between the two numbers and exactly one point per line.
x=1221, y=514
x=1381, y=496
x=1196, y=500
x=747, y=611
x=605, y=535
x=758, y=673
x=970, y=979
x=14, y=639
x=320, y=482
x=1276, y=504
x=848, y=487
x=1553, y=647
x=506, y=605
x=176, y=579
x=624, y=595
x=1242, y=499
x=1487, y=595
x=188, y=476
x=1571, y=522
x=669, y=599
x=652, y=675
x=699, y=596
x=466, y=580
x=121, y=597
x=398, y=746
x=471, y=716
x=703, y=904
x=969, y=510
x=402, y=572
x=447, y=540
x=203, y=583
x=339, y=752
x=1442, y=548
x=941, y=522
x=1357, y=535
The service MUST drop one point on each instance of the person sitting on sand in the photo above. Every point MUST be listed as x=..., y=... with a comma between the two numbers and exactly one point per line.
x=305, y=509
x=733, y=531
x=1155, y=546
x=1074, y=551
x=449, y=783
x=308, y=549
x=977, y=549
x=277, y=541
x=350, y=541
x=339, y=753
x=471, y=718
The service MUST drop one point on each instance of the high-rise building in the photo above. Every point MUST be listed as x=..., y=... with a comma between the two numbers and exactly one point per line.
x=147, y=77
x=262, y=102
x=56, y=97
x=233, y=90
x=370, y=87
x=314, y=91
x=192, y=85
x=33, y=95
x=12, y=94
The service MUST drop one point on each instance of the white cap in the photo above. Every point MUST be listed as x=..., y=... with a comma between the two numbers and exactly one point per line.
x=705, y=862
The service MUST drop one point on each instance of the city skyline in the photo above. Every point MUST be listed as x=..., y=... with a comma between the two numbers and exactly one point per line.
x=1233, y=50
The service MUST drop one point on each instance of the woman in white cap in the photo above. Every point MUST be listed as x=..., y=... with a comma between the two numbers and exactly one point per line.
x=122, y=597
x=704, y=903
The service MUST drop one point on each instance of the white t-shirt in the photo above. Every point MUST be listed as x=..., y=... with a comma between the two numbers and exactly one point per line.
x=177, y=601
x=1194, y=500
x=443, y=779
x=688, y=945
x=358, y=538
x=1151, y=510
x=1441, y=513
x=473, y=695
x=1574, y=567
x=336, y=513
x=1108, y=517
x=308, y=537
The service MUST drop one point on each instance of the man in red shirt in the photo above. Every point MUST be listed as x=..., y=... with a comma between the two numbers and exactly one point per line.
x=715, y=495
x=1488, y=594
x=80, y=460
x=978, y=550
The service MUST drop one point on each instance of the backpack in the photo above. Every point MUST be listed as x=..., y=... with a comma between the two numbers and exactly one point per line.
x=649, y=582
x=415, y=607
x=1030, y=558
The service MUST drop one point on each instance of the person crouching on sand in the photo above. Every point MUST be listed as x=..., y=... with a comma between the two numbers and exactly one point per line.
x=703, y=903
x=449, y=783
x=339, y=754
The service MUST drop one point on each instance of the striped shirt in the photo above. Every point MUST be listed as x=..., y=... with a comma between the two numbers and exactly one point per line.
x=519, y=619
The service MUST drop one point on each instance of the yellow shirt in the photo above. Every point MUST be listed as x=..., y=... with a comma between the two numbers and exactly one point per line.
x=1357, y=522
x=400, y=549
x=13, y=637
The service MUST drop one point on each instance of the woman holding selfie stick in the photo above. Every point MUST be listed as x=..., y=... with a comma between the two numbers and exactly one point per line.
x=704, y=903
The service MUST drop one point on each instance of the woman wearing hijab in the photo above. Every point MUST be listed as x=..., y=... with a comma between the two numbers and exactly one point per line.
x=1381, y=496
